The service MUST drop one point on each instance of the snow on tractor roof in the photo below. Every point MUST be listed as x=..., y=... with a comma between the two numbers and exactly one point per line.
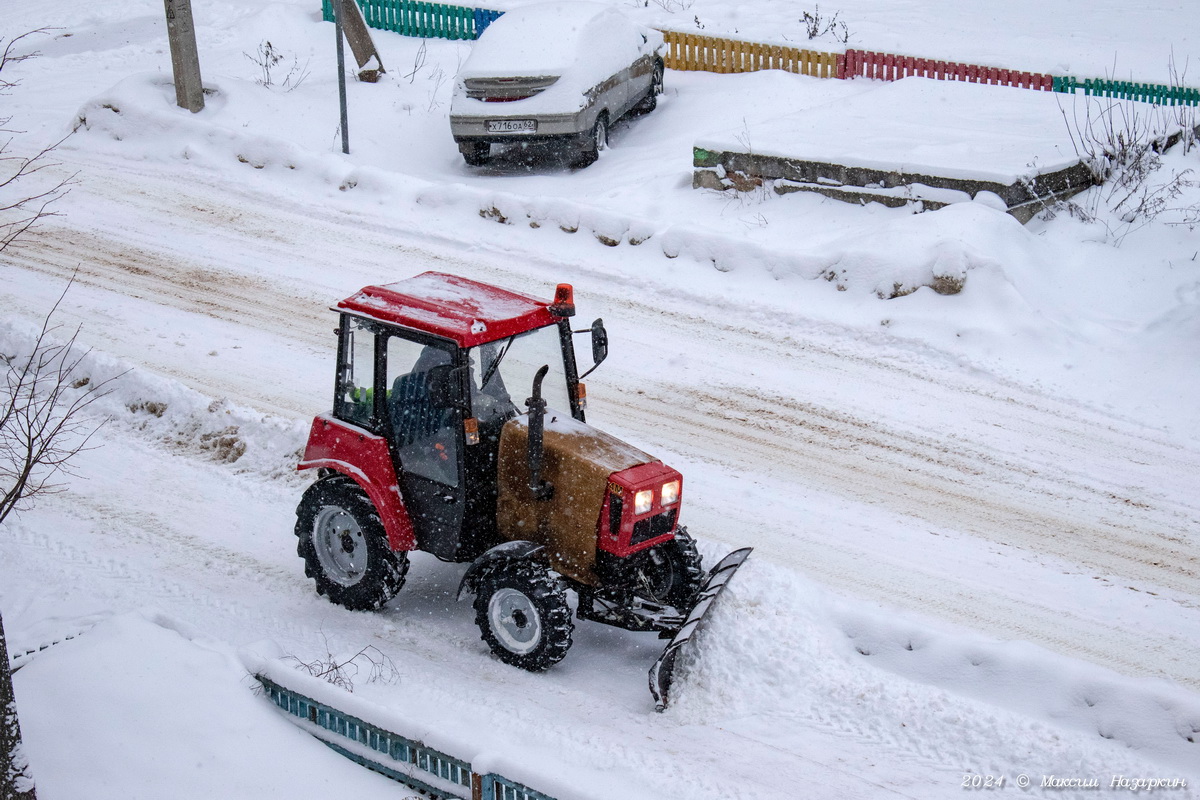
x=465, y=311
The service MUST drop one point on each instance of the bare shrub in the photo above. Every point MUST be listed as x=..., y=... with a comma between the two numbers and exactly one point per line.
x=342, y=673
x=1123, y=142
x=267, y=58
x=818, y=27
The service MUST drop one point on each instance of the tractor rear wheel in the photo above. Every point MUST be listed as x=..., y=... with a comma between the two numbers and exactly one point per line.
x=522, y=613
x=345, y=548
x=673, y=573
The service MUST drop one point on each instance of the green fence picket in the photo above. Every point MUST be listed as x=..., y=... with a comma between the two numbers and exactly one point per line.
x=1156, y=93
x=421, y=19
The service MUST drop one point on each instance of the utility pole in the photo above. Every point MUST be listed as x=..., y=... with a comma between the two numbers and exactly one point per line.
x=348, y=22
x=185, y=60
x=341, y=68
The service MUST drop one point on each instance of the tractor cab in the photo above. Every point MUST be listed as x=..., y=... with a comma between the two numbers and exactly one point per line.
x=433, y=367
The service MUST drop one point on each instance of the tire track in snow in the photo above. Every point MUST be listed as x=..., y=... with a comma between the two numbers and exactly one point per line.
x=952, y=473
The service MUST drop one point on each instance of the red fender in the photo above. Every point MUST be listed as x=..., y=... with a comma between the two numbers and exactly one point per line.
x=363, y=456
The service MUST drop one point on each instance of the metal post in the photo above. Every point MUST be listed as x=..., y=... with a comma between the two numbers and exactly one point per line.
x=341, y=68
x=185, y=60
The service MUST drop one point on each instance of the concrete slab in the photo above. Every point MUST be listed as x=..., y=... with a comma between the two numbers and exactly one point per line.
x=912, y=141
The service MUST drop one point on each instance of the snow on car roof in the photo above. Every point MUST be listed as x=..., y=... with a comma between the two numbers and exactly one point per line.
x=536, y=40
x=465, y=311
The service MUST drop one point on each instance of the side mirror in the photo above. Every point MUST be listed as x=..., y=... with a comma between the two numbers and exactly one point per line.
x=599, y=343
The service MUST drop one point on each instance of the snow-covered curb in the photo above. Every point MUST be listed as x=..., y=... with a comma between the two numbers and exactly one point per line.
x=138, y=110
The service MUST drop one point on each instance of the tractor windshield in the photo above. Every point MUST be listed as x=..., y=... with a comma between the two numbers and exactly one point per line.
x=506, y=369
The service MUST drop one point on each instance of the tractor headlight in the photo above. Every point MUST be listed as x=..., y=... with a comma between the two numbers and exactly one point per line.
x=670, y=493
x=642, y=501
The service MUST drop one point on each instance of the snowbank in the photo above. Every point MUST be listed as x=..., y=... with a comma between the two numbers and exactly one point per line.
x=776, y=647
x=142, y=707
x=918, y=126
x=183, y=420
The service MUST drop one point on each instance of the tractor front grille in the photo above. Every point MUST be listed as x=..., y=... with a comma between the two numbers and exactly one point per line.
x=646, y=529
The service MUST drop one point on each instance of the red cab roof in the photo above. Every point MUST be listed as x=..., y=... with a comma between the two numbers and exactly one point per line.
x=466, y=311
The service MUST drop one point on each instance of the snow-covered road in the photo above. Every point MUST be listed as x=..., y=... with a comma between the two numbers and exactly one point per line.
x=883, y=448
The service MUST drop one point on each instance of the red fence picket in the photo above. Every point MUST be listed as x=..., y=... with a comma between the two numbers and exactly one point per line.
x=890, y=67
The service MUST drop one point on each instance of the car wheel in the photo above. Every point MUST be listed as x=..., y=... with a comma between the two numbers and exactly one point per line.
x=476, y=154
x=345, y=548
x=522, y=613
x=596, y=142
x=650, y=101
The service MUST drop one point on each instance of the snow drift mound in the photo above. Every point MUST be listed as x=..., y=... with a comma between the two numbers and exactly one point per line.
x=184, y=420
x=777, y=648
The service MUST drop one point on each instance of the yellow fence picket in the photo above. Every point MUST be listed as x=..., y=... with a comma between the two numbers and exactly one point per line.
x=691, y=51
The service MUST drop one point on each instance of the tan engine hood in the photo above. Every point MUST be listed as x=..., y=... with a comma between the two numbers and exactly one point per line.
x=578, y=460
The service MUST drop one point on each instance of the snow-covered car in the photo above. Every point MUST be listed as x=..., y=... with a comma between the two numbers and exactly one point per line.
x=554, y=72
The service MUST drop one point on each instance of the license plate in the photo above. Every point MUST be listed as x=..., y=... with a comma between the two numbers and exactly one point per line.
x=511, y=125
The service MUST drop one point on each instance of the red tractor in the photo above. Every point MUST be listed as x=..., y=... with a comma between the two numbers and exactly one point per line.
x=426, y=449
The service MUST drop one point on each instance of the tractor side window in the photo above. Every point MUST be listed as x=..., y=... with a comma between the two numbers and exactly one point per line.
x=355, y=399
x=425, y=426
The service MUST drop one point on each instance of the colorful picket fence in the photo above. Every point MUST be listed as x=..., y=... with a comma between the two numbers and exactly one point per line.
x=424, y=20
x=688, y=51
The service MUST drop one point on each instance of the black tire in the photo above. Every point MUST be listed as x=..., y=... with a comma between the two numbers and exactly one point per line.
x=345, y=548
x=650, y=101
x=673, y=573
x=476, y=154
x=522, y=613
x=596, y=142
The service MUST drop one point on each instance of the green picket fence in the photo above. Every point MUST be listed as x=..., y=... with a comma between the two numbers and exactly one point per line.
x=1128, y=90
x=410, y=762
x=424, y=20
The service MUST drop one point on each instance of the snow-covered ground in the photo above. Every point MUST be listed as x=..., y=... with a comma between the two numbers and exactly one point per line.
x=974, y=516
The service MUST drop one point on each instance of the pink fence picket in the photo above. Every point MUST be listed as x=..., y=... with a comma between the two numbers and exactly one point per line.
x=891, y=67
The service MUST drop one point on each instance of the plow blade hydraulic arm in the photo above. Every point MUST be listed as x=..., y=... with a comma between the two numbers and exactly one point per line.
x=663, y=671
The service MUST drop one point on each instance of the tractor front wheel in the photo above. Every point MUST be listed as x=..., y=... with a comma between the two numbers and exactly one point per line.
x=522, y=613
x=345, y=548
x=673, y=572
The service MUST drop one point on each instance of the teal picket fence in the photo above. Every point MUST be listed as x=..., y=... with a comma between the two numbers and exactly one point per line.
x=424, y=20
x=1128, y=90
x=410, y=762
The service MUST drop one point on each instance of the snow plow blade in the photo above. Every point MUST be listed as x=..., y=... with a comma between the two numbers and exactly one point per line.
x=663, y=671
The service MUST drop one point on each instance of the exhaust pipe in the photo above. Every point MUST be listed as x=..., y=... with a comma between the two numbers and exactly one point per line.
x=541, y=490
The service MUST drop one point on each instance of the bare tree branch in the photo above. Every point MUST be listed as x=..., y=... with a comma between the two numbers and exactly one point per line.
x=25, y=198
x=42, y=421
